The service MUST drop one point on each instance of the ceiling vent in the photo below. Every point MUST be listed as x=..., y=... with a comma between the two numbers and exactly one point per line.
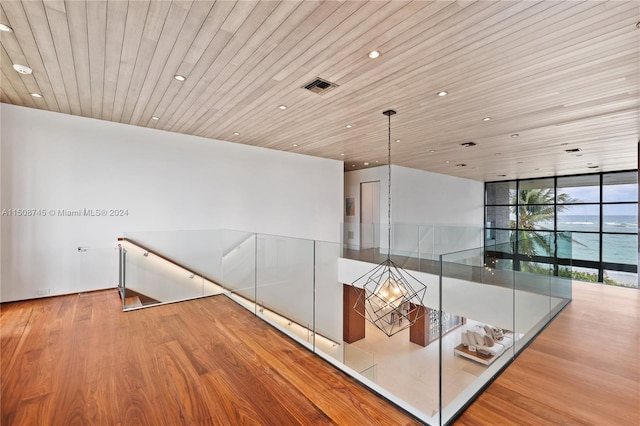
x=468, y=144
x=571, y=151
x=319, y=86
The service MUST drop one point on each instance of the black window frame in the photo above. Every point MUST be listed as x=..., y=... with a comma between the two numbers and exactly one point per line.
x=600, y=265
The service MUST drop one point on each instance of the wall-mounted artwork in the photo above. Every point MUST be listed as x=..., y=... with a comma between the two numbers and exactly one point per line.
x=350, y=206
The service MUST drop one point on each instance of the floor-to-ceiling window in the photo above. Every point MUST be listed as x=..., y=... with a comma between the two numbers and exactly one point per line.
x=589, y=221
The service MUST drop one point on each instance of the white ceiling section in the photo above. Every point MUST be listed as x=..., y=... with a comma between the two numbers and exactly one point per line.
x=558, y=74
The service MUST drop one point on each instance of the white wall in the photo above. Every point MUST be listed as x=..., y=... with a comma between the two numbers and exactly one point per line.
x=165, y=181
x=425, y=197
x=417, y=197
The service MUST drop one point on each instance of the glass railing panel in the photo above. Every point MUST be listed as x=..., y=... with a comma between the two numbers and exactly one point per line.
x=238, y=264
x=98, y=267
x=405, y=239
x=284, y=285
x=532, y=302
x=428, y=255
x=362, y=242
x=369, y=236
x=361, y=362
x=477, y=327
x=328, y=300
x=199, y=251
x=449, y=239
x=351, y=235
x=151, y=280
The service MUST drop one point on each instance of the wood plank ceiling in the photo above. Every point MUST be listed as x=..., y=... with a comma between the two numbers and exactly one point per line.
x=551, y=75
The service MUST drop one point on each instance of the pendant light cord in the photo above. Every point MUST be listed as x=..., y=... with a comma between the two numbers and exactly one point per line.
x=389, y=192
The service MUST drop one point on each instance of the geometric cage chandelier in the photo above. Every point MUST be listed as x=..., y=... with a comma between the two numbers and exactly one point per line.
x=391, y=297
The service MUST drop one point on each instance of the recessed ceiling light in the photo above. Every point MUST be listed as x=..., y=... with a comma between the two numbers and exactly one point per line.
x=348, y=126
x=374, y=54
x=353, y=165
x=36, y=95
x=486, y=119
x=461, y=165
x=22, y=69
x=282, y=107
x=594, y=167
x=397, y=140
x=366, y=164
x=180, y=77
x=447, y=161
x=236, y=133
x=295, y=144
x=443, y=93
x=377, y=161
x=432, y=150
x=342, y=154
x=498, y=153
x=6, y=28
x=502, y=175
x=515, y=135
x=468, y=144
x=155, y=117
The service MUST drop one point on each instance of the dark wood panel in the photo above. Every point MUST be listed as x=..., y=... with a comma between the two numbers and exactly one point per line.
x=420, y=330
x=353, y=325
x=79, y=359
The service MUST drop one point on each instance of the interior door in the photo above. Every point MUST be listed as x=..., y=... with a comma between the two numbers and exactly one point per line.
x=369, y=214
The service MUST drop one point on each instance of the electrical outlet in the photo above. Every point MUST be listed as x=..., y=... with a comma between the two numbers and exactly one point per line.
x=43, y=291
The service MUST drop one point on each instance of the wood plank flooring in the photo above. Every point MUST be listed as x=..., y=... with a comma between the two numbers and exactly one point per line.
x=584, y=369
x=78, y=359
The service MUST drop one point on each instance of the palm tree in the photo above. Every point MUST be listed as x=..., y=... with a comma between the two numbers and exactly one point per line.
x=536, y=209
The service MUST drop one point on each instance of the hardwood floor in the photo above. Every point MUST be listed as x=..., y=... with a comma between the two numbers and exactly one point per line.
x=584, y=369
x=79, y=359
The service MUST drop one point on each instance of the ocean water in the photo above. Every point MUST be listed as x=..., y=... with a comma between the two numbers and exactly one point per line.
x=615, y=248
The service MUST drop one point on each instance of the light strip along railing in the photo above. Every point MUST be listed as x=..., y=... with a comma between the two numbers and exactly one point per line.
x=305, y=332
x=176, y=269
